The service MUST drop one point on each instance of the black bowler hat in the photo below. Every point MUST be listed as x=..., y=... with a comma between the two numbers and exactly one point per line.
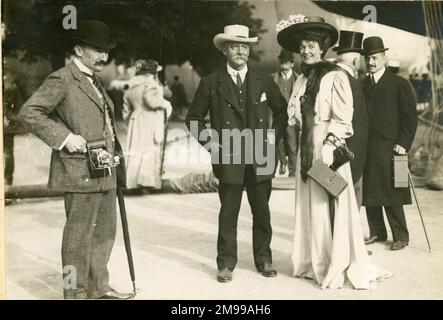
x=373, y=45
x=290, y=37
x=285, y=56
x=94, y=33
x=350, y=41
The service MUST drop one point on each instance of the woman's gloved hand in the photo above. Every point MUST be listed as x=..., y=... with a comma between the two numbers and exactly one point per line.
x=327, y=154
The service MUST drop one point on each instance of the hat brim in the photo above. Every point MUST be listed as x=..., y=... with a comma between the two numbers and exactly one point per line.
x=290, y=37
x=368, y=53
x=106, y=44
x=345, y=50
x=221, y=38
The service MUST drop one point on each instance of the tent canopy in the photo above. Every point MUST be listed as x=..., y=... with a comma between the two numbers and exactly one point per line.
x=405, y=15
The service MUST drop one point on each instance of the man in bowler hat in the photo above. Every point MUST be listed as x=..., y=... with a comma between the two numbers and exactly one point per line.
x=348, y=58
x=285, y=79
x=392, y=111
x=238, y=97
x=69, y=109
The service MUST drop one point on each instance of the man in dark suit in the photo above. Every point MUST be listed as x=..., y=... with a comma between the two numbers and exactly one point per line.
x=238, y=99
x=348, y=58
x=70, y=109
x=392, y=124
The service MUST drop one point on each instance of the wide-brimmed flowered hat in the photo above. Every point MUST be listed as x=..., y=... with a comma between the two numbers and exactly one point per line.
x=291, y=31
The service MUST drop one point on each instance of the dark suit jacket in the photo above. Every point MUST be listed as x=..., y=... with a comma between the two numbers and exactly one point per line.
x=216, y=95
x=67, y=103
x=358, y=142
x=392, y=111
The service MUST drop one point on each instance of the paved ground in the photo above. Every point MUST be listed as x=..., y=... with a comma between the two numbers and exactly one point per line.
x=174, y=245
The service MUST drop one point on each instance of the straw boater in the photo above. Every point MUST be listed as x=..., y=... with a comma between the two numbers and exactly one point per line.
x=239, y=97
x=70, y=108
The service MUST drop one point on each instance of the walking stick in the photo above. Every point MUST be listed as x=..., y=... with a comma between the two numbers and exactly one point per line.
x=121, y=204
x=419, y=211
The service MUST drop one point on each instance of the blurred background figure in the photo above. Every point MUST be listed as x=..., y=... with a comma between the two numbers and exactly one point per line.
x=12, y=101
x=287, y=146
x=147, y=112
x=394, y=66
x=179, y=99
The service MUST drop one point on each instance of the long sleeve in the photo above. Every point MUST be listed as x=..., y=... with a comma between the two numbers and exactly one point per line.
x=342, y=107
x=408, y=114
x=127, y=107
x=199, y=109
x=278, y=106
x=37, y=113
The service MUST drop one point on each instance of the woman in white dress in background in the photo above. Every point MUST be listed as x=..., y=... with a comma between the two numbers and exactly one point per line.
x=322, y=103
x=147, y=111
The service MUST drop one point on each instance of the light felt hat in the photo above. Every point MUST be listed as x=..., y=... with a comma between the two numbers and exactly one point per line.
x=233, y=33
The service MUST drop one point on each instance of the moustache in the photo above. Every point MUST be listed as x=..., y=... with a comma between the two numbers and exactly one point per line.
x=100, y=63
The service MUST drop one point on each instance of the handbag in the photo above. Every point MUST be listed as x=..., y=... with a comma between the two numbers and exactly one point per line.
x=328, y=179
x=342, y=155
x=401, y=171
x=100, y=160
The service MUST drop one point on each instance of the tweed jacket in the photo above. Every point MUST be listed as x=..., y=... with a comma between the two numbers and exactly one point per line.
x=67, y=103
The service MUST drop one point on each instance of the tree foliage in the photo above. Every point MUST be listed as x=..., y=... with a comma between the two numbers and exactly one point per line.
x=171, y=32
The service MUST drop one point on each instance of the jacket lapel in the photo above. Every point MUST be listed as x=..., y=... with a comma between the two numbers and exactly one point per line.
x=225, y=88
x=85, y=85
x=255, y=86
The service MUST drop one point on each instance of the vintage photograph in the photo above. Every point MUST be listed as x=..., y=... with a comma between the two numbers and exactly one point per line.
x=222, y=150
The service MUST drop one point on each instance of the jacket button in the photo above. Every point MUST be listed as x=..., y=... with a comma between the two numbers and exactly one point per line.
x=228, y=122
x=242, y=109
x=261, y=120
x=241, y=91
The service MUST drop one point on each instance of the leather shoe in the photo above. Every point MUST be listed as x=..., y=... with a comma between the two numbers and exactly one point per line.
x=224, y=275
x=114, y=294
x=267, y=270
x=397, y=245
x=372, y=239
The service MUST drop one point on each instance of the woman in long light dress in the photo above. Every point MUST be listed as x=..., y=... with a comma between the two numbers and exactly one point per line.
x=322, y=103
x=147, y=112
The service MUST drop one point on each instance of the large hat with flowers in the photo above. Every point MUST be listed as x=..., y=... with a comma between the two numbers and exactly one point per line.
x=291, y=31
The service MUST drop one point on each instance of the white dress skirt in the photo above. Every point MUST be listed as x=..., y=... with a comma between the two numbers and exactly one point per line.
x=338, y=259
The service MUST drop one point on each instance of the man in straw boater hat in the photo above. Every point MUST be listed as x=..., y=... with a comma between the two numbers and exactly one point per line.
x=238, y=99
x=348, y=58
x=328, y=237
x=70, y=109
x=392, y=110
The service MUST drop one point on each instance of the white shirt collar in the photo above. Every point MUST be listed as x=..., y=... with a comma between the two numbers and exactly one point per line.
x=286, y=75
x=82, y=67
x=233, y=73
x=347, y=68
x=379, y=74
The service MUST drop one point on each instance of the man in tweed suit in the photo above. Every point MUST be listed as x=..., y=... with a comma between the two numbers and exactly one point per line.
x=69, y=109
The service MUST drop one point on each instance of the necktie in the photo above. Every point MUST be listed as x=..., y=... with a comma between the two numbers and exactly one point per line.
x=96, y=81
x=239, y=82
x=372, y=80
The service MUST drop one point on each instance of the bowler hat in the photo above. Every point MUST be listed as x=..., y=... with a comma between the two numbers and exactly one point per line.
x=293, y=29
x=94, y=33
x=233, y=33
x=350, y=41
x=373, y=45
x=285, y=56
